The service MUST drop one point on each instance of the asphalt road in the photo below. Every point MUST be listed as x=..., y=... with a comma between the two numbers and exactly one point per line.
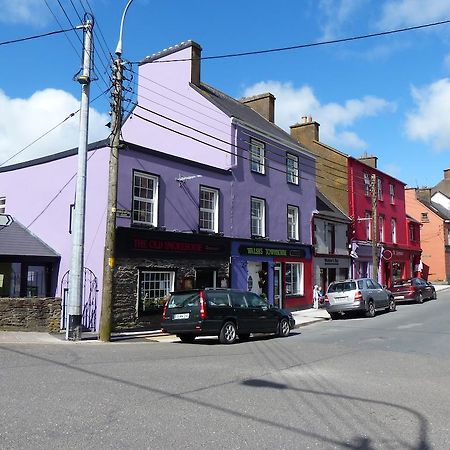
x=380, y=383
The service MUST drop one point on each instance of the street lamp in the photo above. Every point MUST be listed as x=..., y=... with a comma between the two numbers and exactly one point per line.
x=110, y=239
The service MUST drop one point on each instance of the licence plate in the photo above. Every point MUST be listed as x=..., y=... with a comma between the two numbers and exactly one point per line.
x=341, y=300
x=181, y=316
x=399, y=297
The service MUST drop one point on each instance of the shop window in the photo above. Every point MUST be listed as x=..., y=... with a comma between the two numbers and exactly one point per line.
x=258, y=217
x=153, y=289
x=292, y=219
x=209, y=209
x=36, y=281
x=294, y=278
x=257, y=157
x=292, y=168
x=145, y=199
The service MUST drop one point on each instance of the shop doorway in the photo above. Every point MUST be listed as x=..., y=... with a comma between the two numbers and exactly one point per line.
x=205, y=278
x=277, y=287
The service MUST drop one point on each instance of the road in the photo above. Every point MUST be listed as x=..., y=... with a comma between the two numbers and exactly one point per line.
x=380, y=383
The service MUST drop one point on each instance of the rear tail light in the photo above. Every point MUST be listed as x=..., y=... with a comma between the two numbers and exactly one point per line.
x=165, y=310
x=358, y=296
x=325, y=298
x=202, y=306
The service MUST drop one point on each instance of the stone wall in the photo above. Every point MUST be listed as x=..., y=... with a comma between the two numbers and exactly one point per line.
x=30, y=314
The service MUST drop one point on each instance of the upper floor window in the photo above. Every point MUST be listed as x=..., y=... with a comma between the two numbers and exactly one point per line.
x=330, y=237
x=412, y=233
x=394, y=231
x=366, y=184
x=209, y=210
x=145, y=199
x=392, y=193
x=448, y=236
x=257, y=157
x=292, y=220
x=381, y=228
x=292, y=168
x=424, y=217
x=258, y=217
x=379, y=189
x=2, y=205
x=368, y=225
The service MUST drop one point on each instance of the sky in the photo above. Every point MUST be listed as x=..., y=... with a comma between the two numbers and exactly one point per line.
x=386, y=96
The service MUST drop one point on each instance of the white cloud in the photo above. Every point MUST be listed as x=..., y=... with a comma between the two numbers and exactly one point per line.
x=397, y=13
x=31, y=12
x=335, y=119
x=28, y=119
x=429, y=121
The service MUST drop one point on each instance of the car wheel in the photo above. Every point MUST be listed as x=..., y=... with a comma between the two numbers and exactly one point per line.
x=370, y=309
x=434, y=296
x=186, y=337
x=244, y=336
x=392, y=305
x=283, y=328
x=227, y=333
x=419, y=298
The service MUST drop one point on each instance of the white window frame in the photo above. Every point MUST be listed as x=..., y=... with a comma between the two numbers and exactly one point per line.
x=168, y=280
x=381, y=228
x=257, y=157
x=213, y=212
x=2, y=205
x=292, y=168
x=392, y=193
x=379, y=189
x=394, y=231
x=368, y=225
x=294, y=279
x=293, y=222
x=151, y=204
x=366, y=184
x=258, y=221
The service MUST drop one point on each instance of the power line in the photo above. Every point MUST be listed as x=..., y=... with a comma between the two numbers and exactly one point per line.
x=50, y=33
x=313, y=44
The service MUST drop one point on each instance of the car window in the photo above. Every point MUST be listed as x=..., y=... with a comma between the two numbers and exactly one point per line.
x=376, y=285
x=238, y=300
x=184, y=300
x=342, y=286
x=255, y=301
x=370, y=284
x=361, y=284
x=218, y=298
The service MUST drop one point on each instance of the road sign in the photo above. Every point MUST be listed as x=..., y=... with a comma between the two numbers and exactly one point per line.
x=5, y=220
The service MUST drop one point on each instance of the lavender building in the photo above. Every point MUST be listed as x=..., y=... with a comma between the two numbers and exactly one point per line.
x=210, y=193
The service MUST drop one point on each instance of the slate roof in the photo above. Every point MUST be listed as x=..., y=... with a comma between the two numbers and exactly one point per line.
x=443, y=187
x=234, y=108
x=438, y=209
x=325, y=207
x=16, y=240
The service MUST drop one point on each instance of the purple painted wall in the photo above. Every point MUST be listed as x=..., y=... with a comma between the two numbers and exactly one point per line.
x=39, y=197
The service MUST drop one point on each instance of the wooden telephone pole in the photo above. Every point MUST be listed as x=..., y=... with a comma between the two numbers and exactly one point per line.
x=373, y=192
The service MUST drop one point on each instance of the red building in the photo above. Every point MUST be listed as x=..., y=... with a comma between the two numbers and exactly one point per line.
x=397, y=250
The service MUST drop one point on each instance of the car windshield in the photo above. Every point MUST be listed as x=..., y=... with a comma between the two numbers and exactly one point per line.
x=184, y=299
x=342, y=286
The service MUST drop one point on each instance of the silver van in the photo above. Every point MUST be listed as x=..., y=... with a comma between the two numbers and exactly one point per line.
x=359, y=294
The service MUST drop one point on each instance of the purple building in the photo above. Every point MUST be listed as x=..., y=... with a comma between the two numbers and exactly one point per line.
x=210, y=193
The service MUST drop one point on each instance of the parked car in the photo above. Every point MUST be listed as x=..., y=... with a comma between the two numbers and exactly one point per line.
x=415, y=289
x=226, y=313
x=361, y=294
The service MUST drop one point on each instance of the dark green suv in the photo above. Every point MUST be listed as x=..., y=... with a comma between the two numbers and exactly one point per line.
x=226, y=313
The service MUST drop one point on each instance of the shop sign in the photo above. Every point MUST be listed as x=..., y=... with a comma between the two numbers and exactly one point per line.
x=331, y=262
x=267, y=251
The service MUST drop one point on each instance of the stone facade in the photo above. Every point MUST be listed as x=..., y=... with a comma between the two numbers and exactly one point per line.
x=30, y=314
x=126, y=290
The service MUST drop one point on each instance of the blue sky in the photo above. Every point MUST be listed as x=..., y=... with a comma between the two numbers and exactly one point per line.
x=387, y=96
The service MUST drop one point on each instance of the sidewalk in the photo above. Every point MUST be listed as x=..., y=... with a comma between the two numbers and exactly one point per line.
x=302, y=318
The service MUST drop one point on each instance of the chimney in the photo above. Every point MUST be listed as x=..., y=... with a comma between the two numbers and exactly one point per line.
x=369, y=160
x=263, y=104
x=424, y=195
x=446, y=174
x=196, y=54
x=305, y=132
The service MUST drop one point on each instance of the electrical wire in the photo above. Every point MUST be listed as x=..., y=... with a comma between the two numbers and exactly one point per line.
x=313, y=44
x=37, y=36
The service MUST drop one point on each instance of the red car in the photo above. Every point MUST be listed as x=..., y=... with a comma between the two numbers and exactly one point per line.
x=415, y=289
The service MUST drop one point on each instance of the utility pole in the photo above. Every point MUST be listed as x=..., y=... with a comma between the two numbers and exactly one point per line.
x=373, y=191
x=75, y=306
x=110, y=239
